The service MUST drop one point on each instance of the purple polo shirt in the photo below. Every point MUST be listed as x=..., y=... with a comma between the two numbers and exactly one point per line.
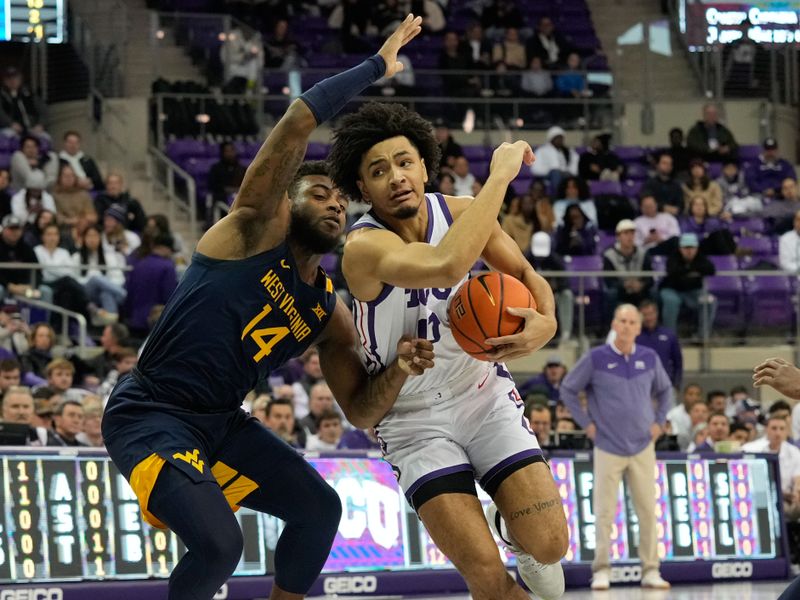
x=664, y=341
x=620, y=391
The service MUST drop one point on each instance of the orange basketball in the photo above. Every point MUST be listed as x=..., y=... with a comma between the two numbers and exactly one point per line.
x=478, y=311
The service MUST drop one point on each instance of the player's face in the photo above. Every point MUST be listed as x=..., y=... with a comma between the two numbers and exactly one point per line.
x=392, y=178
x=18, y=408
x=318, y=214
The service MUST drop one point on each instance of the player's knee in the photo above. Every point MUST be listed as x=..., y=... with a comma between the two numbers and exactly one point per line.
x=550, y=545
x=224, y=549
x=330, y=509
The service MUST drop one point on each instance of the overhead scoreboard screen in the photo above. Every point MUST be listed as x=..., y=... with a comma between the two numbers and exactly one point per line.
x=74, y=517
x=33, y=21
x=710, y=22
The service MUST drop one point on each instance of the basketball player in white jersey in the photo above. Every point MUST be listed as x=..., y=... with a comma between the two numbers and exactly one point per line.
x=463, y=419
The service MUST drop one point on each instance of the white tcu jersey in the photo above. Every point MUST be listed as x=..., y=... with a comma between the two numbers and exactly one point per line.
x=418, y=313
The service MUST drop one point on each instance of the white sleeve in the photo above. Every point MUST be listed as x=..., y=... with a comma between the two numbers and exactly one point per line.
x=796, y=422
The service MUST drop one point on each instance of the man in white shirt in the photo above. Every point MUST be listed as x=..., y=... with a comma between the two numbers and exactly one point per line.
x=329, y=432
x=775, y=442
x=554, y=160
x=463, y=179
x=653, y=227
x=789, y=247
x=679, y=416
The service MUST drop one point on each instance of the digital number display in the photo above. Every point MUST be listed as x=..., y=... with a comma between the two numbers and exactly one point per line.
x=33, y=21
x=70, y=517
x=710, y=22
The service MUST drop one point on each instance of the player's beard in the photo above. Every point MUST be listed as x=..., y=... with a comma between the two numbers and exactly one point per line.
x=304, y=232
x=406, y=212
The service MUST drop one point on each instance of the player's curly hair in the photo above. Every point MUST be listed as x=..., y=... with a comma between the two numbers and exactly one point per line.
x=373, y=123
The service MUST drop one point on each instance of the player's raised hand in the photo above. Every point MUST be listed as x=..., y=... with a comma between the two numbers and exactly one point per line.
x=539, y=329
x=405, y=32
x=508, y=158
x=779, y=374
x=414, y=355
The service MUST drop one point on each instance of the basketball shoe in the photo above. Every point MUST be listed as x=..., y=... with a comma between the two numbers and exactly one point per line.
x=546, y=581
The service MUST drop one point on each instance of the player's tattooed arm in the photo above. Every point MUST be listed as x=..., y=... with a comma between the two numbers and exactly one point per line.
x=365, y=400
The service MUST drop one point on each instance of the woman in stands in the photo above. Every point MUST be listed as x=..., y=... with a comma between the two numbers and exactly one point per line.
x=698, y=220
x=40, y=353
x=576, y=237
x=105, y=289
x=700, y=185
x=71, y=199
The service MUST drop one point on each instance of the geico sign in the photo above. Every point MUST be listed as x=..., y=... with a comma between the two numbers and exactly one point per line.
x=32, y=594
x=357, y=584
x=724, y=570
x=625, y=574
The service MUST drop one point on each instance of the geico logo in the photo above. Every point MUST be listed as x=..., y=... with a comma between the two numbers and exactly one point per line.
x=624, y=574
x=32, y=594
x=722, y=570
x=222, y=594
x=357, y=584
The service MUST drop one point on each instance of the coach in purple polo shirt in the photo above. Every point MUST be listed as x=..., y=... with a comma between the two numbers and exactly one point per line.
x=621, y=379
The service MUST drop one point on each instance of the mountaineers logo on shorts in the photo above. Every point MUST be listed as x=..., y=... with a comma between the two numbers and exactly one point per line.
x=190, y=458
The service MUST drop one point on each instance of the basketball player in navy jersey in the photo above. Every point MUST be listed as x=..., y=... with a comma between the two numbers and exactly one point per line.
x=463, y=419
x=251, y=300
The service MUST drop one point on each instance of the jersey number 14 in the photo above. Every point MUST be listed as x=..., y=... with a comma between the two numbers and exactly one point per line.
x=266, y=337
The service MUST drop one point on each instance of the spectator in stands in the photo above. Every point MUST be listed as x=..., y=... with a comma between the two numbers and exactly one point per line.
x=258, y=408
x=242, y=57
x=477, y=47
x=664, y=187
x=282, y=51
x=14, y=332
x=775, y=441
x=124, y=361
x=115, y=236
x=700, y=185
x=40, y=352
x=499, y=15
x=35, y=230
x=599, y=162
x=571, y=83
x=622, y=257
x=697, y=220
x=573, y=190
x=781, y=408
x=320, y=399
x=5, y=193
x=577, y=236
x=115, y=193
x=543, y=206
x=548, y=44
x=159, y=223
x=508, y=55
x=446, y=184
x=451, y=149
x=548, y=382
x=789, y=247
x=329, y=432
x=68, y=423
x=58, y=274
x=150, y=283
x=698, y=417
x=92, y=417
x=653, y=227
x=621, y=380
x=19, y=407
x=225, y=177
x=739, y=433
x=718, y=429
x=717, y=401
x=663, y=340
x=541, y=419
x=279, y=417
x=536, y=82
x=311, y=374
x=543, y=259
x=780, y=212
x=70, y=198
x=463, y=178
x=20, y=111
x=10, y=374
x=31, y=158
x=60, y=377
x=679, y=152
x=683, y=285
x=112, y=340
x=14, y=249
x=359, y=439
x=32, y=199
x=351, y=19
x=678, y=416
x=767, y=174
x=455, y=58
x=387, y=15
x=85, y=168
x=732, y=183
x=104, y=289
x=711, y=140
x=555, y=160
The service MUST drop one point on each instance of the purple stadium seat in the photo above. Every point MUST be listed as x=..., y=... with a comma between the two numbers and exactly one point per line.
x=605, y=240
x=592, y=299
x=729, y=293
x=6, y=144
x=714, y=169
x=749, y=152
x=630, y=153
x=330, y=263
x=747, y=263
x=316, y=151
x=747, y=226
x=477, y=153
x=769, y=301
x=659, y=263
x=599, y=188
x=5, y=160
x=632, y=189
x=757, y=246
x=636, y=171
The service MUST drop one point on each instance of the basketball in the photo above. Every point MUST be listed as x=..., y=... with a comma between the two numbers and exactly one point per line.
x=478, y=311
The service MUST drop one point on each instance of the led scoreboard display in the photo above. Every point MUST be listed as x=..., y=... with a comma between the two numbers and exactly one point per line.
x=707, y=22
x=70, y=517
x=33, y=21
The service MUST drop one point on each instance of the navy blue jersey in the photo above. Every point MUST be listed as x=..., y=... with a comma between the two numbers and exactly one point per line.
x=229, y=324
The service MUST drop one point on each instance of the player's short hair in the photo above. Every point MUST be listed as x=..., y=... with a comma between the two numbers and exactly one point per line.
x=278, y=402
x=60, y=363
x=373, y=123
x=311, y=167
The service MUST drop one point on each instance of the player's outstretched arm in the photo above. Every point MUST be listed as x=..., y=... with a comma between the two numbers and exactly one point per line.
x=386, y=258
x=780, y=375
x=364, y=399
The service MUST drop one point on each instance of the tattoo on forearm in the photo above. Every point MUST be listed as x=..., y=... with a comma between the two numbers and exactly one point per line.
x=536, y=508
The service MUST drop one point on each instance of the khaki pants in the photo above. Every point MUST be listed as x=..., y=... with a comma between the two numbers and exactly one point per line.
x=608, y=471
